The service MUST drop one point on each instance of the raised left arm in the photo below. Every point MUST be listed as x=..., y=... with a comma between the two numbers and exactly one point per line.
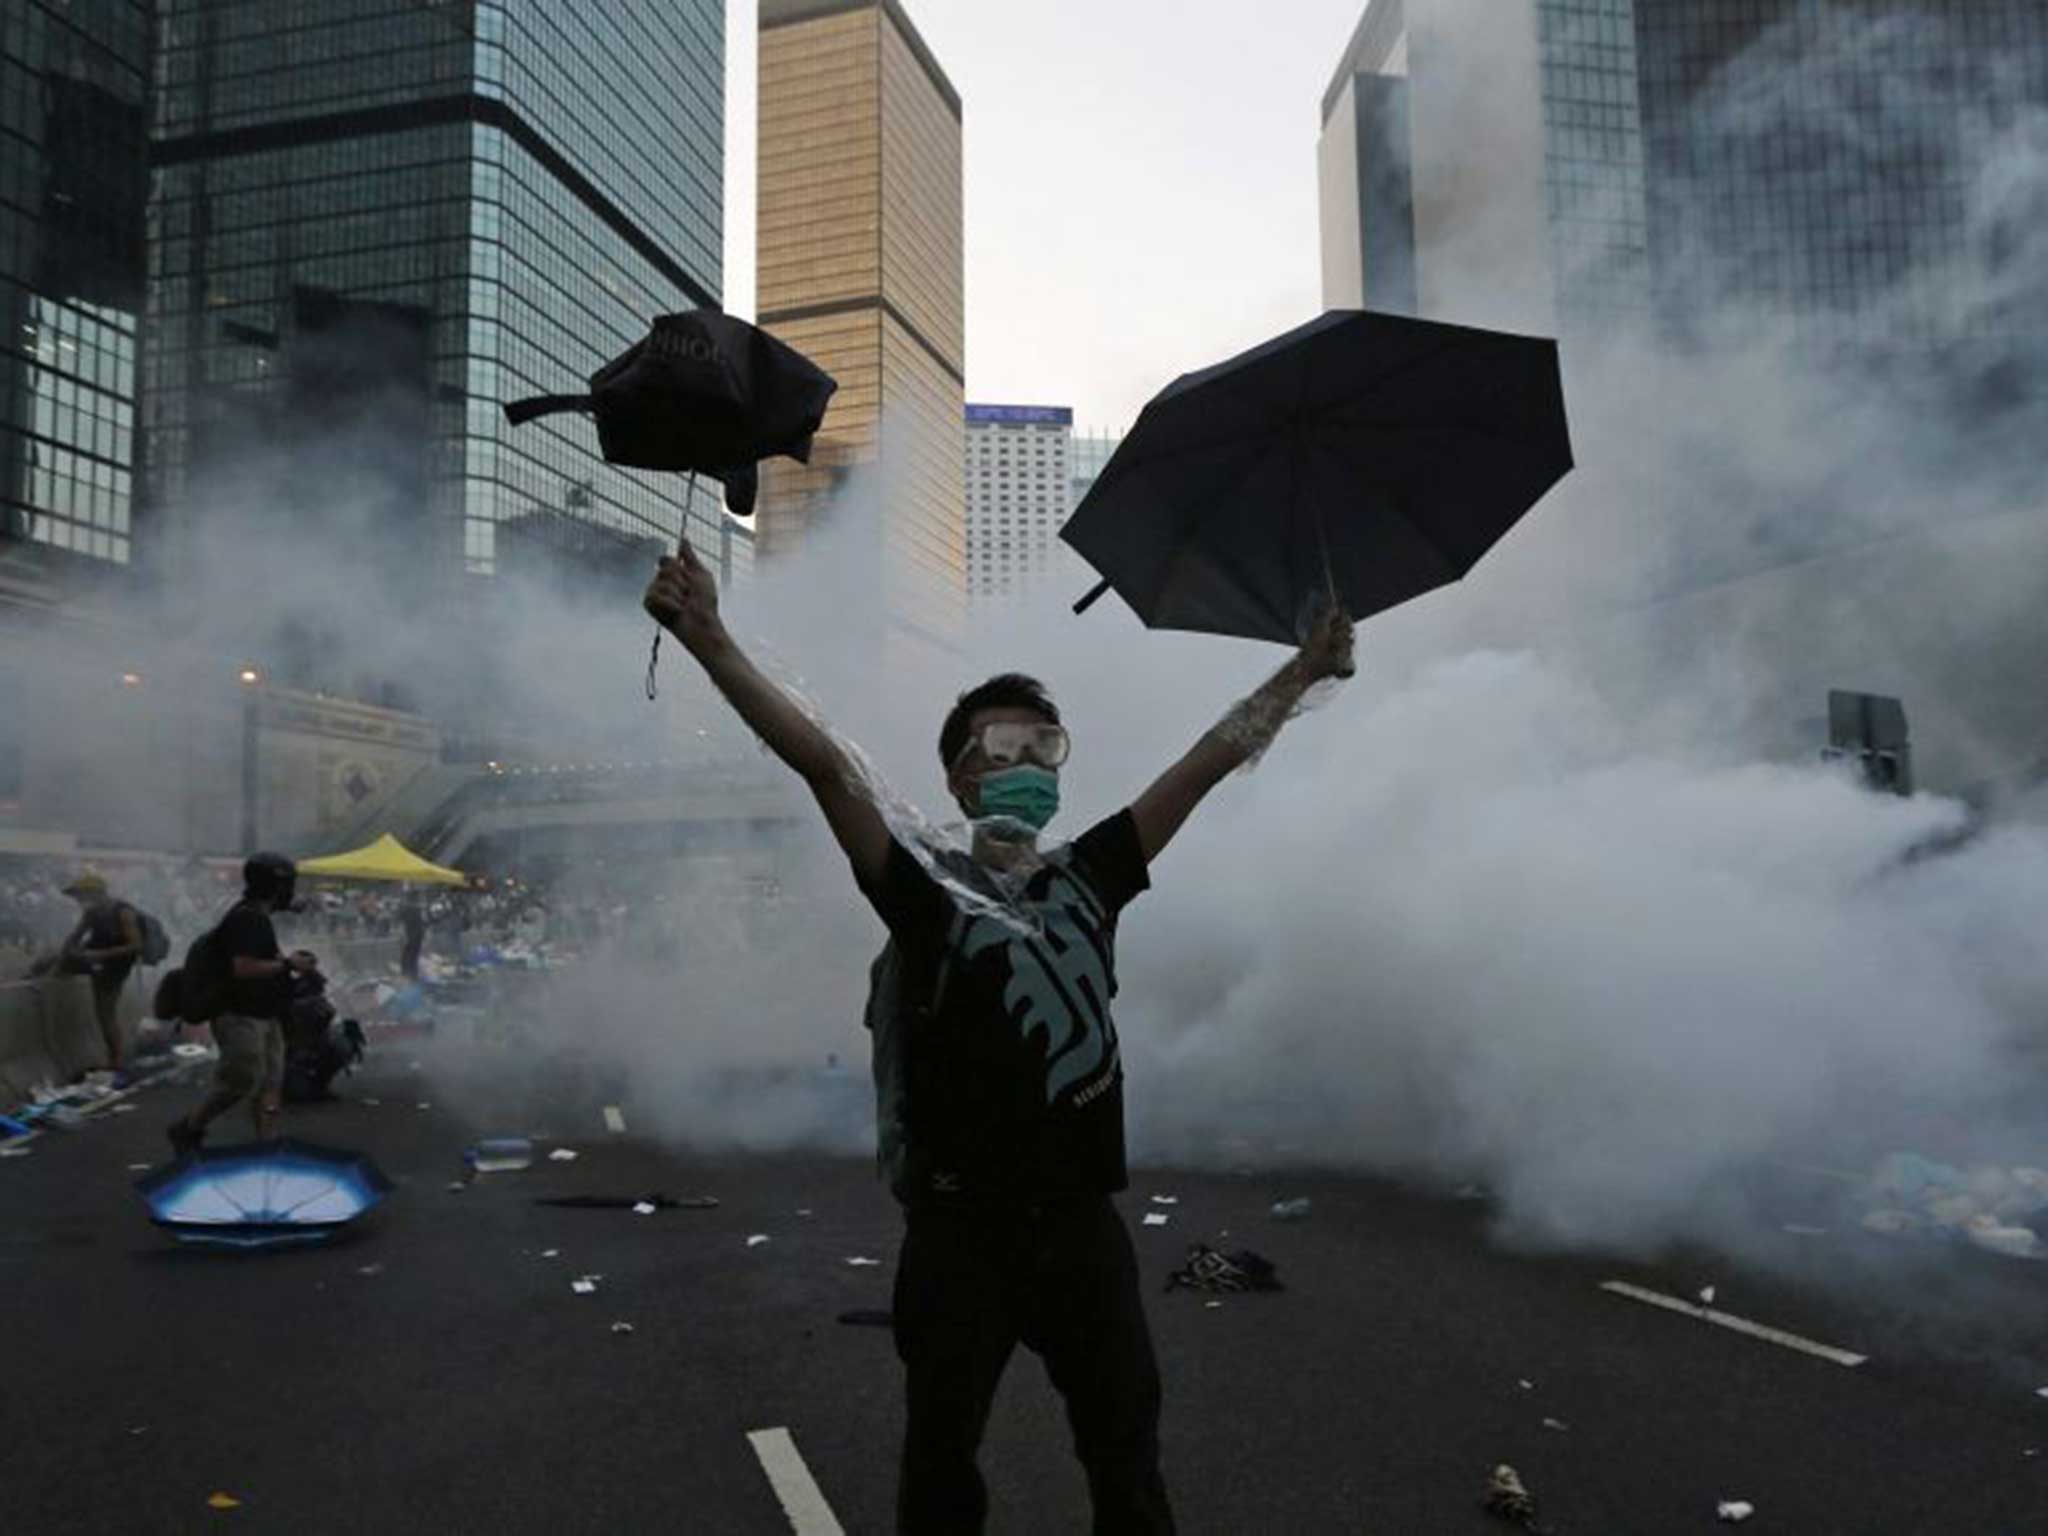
x=1240, y=736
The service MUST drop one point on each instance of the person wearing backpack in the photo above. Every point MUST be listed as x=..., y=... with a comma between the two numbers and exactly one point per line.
x=104, y=945
x=238, y=981
x=998, y=1081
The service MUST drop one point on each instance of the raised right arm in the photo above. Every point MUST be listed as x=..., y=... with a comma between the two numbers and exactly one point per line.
x=683, y=599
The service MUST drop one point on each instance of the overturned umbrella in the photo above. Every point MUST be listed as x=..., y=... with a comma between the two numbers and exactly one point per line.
x=262, y=1194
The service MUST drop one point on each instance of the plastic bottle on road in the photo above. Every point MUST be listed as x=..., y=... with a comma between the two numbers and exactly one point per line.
x=1290, y=1210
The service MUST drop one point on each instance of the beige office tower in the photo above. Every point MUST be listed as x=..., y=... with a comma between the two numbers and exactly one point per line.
x=860, y=268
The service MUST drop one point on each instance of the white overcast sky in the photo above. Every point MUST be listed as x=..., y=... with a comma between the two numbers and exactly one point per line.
x=1141, y=184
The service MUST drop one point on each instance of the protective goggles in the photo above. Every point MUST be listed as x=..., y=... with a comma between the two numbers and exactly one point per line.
x=1004, y=742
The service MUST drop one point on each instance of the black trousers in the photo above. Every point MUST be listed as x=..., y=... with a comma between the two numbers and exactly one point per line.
x=1060, y=1278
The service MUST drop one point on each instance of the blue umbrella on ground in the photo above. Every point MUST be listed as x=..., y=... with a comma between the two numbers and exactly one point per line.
x=262, y=1194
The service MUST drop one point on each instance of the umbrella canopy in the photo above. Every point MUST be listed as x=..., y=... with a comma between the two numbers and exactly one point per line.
x=262, y=1195
x=1368, y=457
x=385, y=859
x=704, y=393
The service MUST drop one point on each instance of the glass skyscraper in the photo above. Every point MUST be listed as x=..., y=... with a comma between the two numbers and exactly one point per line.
x=375, y=222
x=73, y=159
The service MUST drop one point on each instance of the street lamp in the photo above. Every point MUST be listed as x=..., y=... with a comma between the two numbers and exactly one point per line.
x=248, y=677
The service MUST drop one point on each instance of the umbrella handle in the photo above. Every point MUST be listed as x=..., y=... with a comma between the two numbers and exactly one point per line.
x=519, y=412
x=1330, y=583
x=682, y=543
x=1093, y=597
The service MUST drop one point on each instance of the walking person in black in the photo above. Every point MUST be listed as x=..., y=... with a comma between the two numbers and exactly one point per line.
x=998, y=1079
x=250, y=1033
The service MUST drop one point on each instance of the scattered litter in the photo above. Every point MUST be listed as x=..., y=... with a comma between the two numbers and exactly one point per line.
x=622, y=1327
x=501, y=1154
x=138, y=1167
x=551, y=1253
x=457, y=1186
x=803, y=1210
x=1290, y=1210
x=866, y=1317
x=1211, y=1306
x=1507, y=1498
x=2041, y=1391
x=371, y=1269
x=124, y=1109
x=138, y=1429
x=562, y=1155
x=1707, y=1294
x=629, y=1202
x=223, y=1501
x=583, y=1285
x=372, y=1103
x=1166, y=1199
x=190, y=1052
x=1557, y=1424
x=2030, y=1453
x=614, y=1121
x=644, y=1208
x=17, y=1151
x=1155, y=1218
x=1526, y=1385
x=757, y=1239
x=860, y=1263
x=1734, y=1511
x=1209, y=1270
x=2000, y=1210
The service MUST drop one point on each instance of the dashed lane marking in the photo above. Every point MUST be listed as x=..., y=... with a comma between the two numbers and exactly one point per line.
x=802, y=1501
x=1729, y=1320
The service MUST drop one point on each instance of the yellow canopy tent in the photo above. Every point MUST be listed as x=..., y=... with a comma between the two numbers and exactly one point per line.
x=385, y=859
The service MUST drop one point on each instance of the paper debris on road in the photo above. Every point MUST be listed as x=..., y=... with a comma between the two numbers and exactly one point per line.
x=16, y=1151
x=1507, y=1498
x=551, y=1253
x=138, y=1167
x=862, y=1263
x=370, y=1269
x=1557, y=1424
x=645, y=1208
x=124, y=1109
x=1166, y=1199
x=457, y=1186
x=371, y=1103
x=2041, y=1391
x=1707, y=1294
x=1155, y=1218
x=223, y=1501
x=622, y=1327
x=1526, y=1385
x=1211, y=1306
x=190, y=1052
x=757, y=1239
x=803, y=1210
x=614, y=1120
x=1734, y=1511
x=562, y=1155
x=423, y=1105
x=585, y=1285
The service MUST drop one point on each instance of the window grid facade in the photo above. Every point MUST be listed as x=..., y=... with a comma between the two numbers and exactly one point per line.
x=73, y=145
x=1020, y=486
x=536, y=181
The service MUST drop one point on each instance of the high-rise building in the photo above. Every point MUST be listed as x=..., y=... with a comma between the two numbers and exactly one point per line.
x=1020, y=477
x=375, y=223
x=860, y=267
x=73, y=161
x=1588, y=162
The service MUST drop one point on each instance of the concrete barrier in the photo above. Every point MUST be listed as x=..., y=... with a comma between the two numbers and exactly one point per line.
x=49, y=1034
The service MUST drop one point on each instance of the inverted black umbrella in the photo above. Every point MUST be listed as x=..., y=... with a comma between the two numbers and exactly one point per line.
x=262, y=1194
x=1362, y=458
x=705, y=394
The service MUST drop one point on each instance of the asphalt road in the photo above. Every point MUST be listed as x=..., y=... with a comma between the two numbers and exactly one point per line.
x=435, y=1372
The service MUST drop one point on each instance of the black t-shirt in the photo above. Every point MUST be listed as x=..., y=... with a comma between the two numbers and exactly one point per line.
x=247, y=931
x=1013, y=1087
x=103, y=930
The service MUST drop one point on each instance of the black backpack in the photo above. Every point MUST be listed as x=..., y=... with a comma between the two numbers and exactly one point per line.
x=197, y=991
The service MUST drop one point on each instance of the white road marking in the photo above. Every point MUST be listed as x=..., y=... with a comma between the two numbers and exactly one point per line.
x=613, y=1120
x=1728, y=1320
x=809, y=1514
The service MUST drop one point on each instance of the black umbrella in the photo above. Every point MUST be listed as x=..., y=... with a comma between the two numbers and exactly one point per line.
x=703, y=394
x=1363, y=458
